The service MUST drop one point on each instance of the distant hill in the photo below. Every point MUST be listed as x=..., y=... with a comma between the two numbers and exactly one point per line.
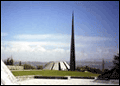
x=96, y=64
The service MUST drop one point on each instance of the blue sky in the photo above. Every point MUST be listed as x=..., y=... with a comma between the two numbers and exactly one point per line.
x=41, y=31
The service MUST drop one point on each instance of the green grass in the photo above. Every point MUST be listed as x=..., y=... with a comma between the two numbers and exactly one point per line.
x=53, y=73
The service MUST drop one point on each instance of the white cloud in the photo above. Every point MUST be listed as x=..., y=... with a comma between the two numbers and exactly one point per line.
x=90, y=38
x=26, y=51
x=61, y=37
x=37, y=51
x=61, y=40
x=42, y=36
x=24, y=36
x=41, y=43
x=3, y=34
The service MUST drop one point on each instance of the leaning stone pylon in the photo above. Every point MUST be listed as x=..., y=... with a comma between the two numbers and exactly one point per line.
x=7, y=78
x=72, y=52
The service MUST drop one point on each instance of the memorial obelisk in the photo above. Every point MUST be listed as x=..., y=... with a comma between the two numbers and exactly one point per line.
x=72, y=52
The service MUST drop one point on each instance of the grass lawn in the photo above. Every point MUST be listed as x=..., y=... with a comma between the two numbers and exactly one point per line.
x=53, y=73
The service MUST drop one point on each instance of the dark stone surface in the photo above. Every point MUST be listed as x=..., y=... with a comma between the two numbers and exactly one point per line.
x=50, y=77
x=83, y=77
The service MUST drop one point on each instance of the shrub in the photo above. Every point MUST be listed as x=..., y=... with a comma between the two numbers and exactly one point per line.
x=90, y=69
x=9, y=61
x=39, y=67
x=28, y=66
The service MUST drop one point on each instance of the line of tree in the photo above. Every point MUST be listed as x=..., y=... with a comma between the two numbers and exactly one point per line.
x=39, y=67
x=116, y=63
x=28, y=66
x=9, y=61
x=20, y=63
x=89, y=69
x=113, y=73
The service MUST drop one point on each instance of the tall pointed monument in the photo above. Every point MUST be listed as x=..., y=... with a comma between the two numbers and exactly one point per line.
x=72, y=52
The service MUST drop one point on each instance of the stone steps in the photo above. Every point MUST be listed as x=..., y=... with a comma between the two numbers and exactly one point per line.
x=20, y=78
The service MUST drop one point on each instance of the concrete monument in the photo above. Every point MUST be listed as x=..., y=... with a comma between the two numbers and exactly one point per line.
x=7, y=78
x=62, y=65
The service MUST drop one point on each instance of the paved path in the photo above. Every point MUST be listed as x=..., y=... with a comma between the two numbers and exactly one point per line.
x=61, y=82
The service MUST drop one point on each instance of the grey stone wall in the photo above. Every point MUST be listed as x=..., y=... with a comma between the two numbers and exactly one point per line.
x=15, y=67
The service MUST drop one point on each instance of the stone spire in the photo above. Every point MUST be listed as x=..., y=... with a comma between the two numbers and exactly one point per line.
x=72, y=52
x=103, y=63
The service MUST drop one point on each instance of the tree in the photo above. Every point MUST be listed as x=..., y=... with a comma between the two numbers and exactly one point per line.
x=116, y=63
x=90, y=69
x=8, y=61
x=28, y=66
x=39, y=67
x=103, y=63
x=20, y=63
x=11, y=61
x=106, y=70
x=114, y=72
x=5, y=61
